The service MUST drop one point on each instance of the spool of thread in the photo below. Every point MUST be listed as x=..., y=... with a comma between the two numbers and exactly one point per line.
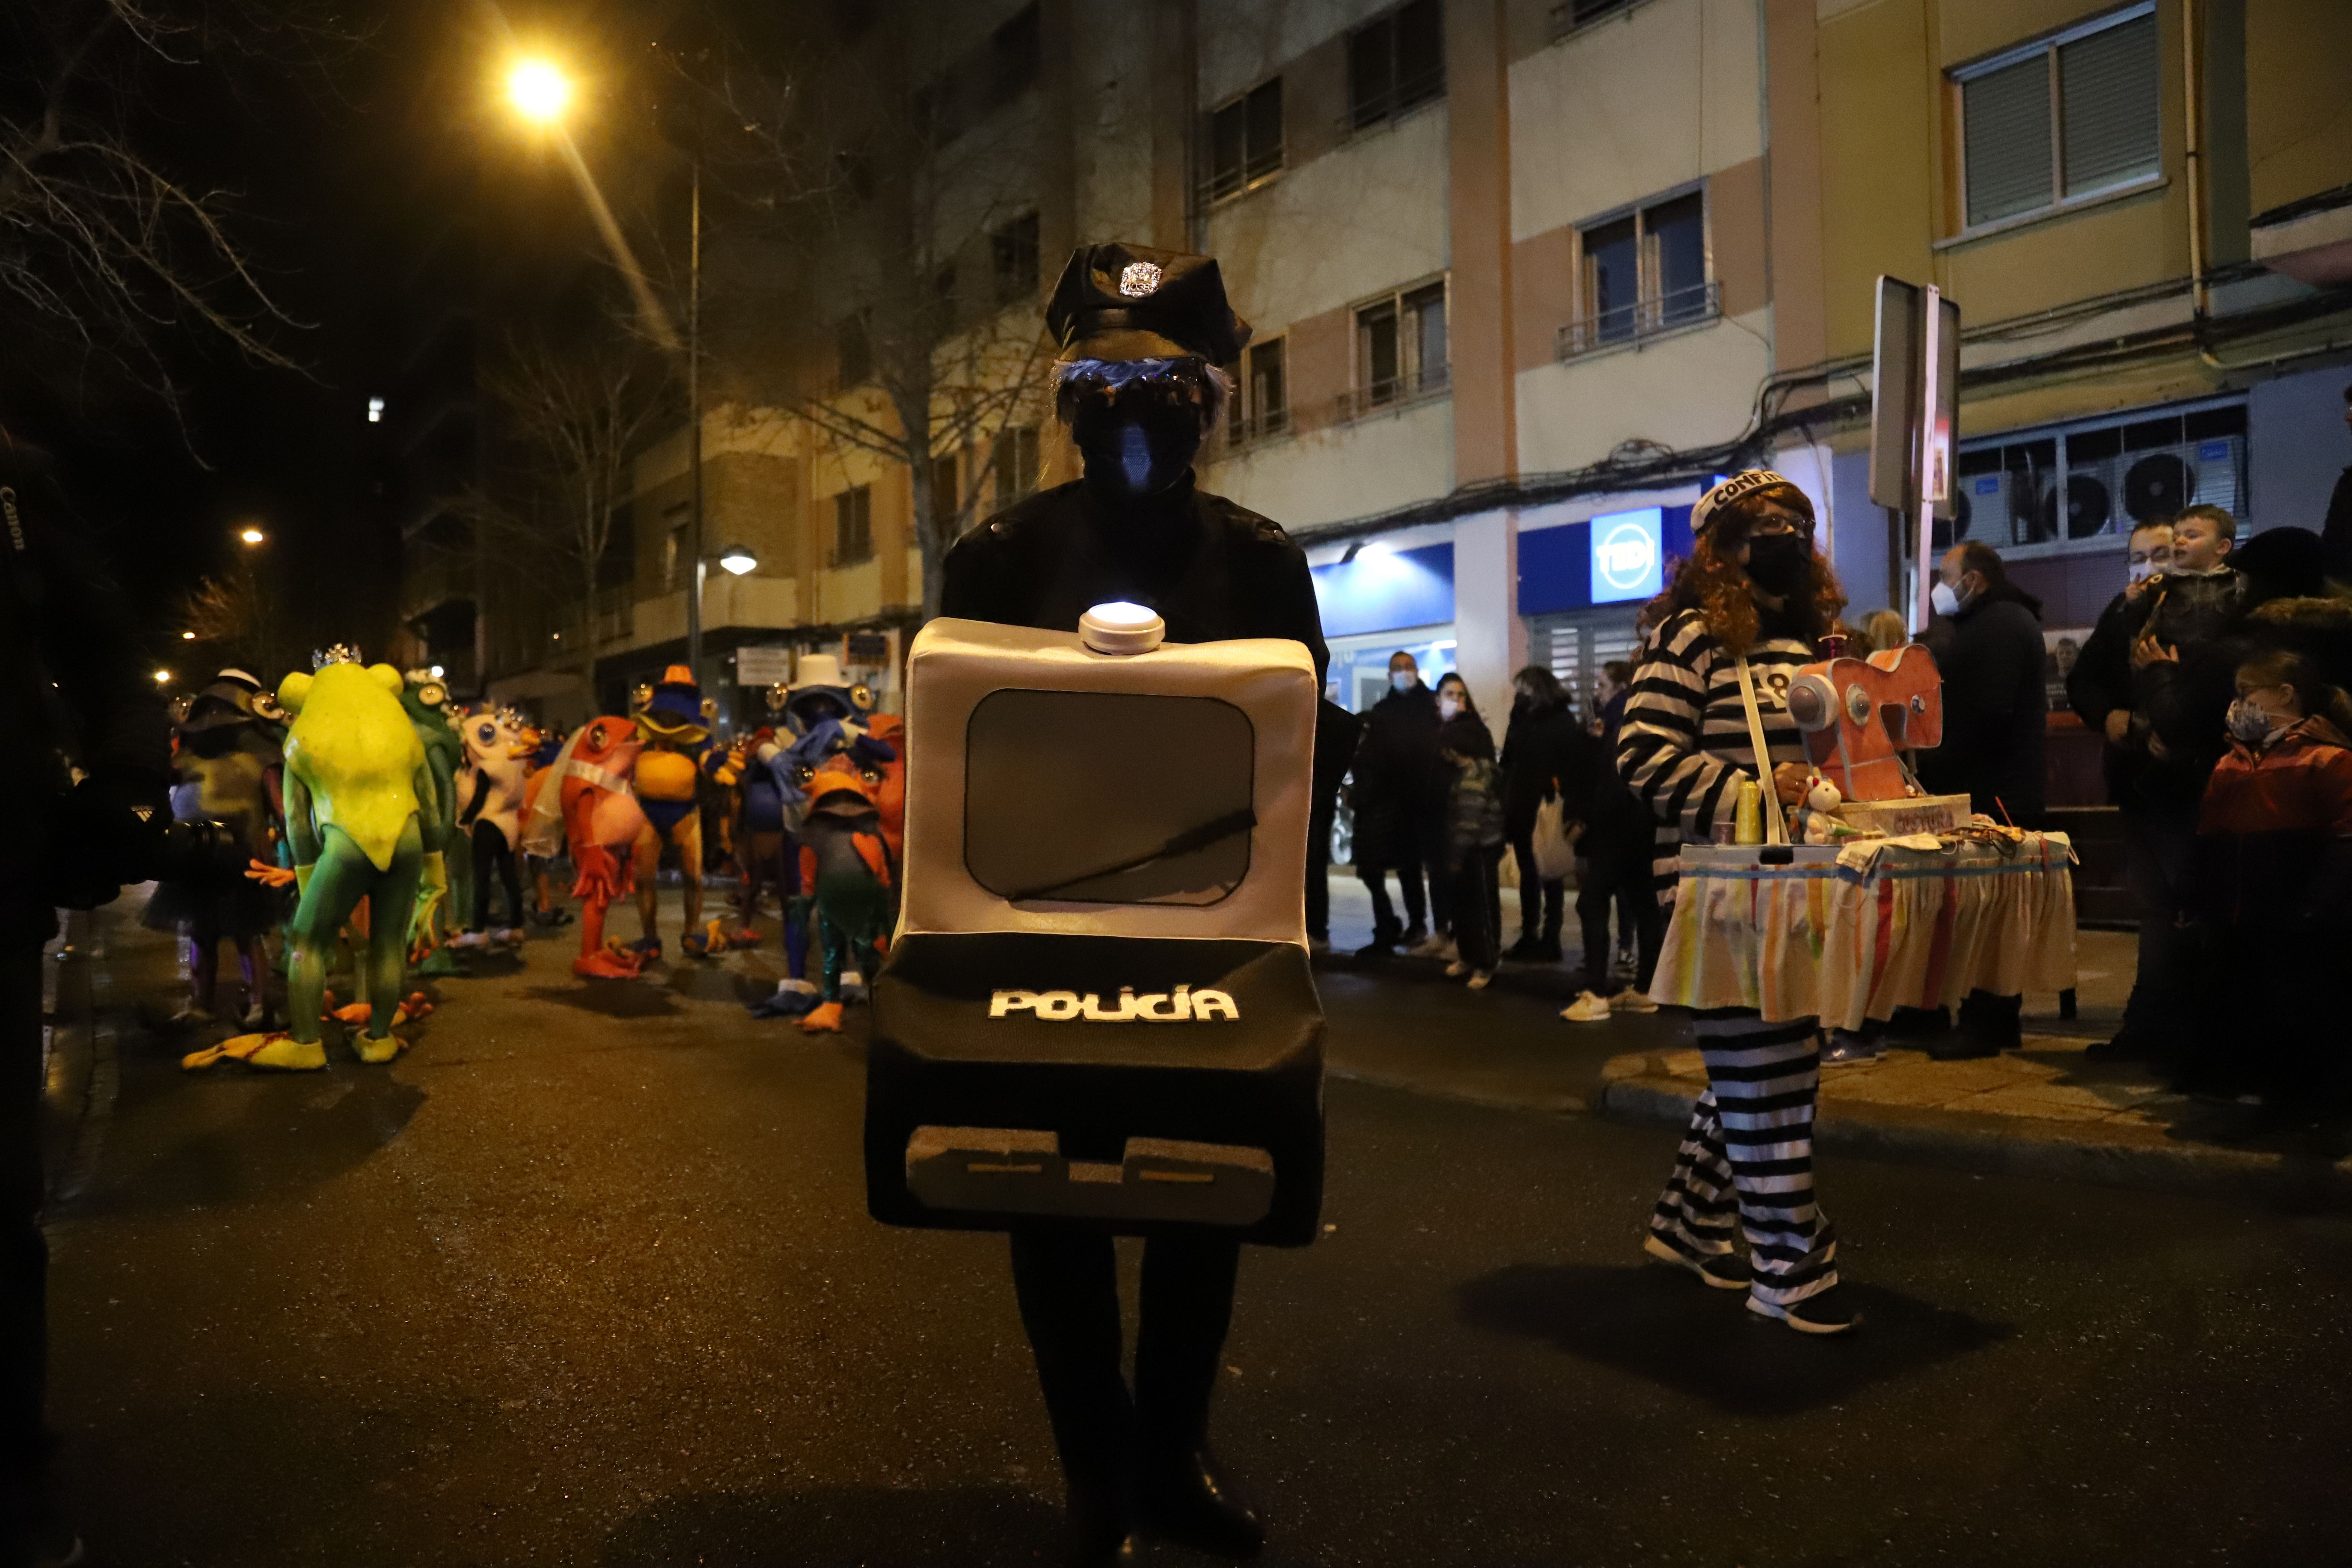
x=1748, y=820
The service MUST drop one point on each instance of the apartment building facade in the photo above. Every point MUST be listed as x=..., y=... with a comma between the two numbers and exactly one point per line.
x=1526, y=274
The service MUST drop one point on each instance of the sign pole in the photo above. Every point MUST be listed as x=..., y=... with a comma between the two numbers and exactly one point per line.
x=1933, y=478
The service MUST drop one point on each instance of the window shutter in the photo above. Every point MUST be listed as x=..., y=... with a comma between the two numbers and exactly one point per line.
x=1264, y=111
x=1225, y=150
x=2107, y=92
x=2005, y=117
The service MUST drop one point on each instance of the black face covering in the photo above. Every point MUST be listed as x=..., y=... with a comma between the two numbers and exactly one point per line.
x=1780, y=564
x=1140, y=438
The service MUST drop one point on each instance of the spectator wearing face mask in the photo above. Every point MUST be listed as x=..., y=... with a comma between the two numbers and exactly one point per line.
x=1399, y=799
x=2181, y=630
x=1472, y=833
x=1987, y=639
x=2273, y=872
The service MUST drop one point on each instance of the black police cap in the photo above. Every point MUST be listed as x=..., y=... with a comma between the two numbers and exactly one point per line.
x=1122, y=301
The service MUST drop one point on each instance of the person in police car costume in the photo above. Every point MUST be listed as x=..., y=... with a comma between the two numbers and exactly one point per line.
x=1140, y=332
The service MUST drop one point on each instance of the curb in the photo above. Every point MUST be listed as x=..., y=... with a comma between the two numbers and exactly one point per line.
x=2145, y=1158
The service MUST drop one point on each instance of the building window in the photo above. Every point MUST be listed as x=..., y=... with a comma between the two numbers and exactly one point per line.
x=1015, y=54
x=1260, y=406
x=1015, y=462
x=1569, y=14
x=853, y=525
x=1246, y=140
x=673, y=522
x=1401, y=347
x=1641, y=273
x=2083, y=486
x=2070, y=117
x=1014, y=250
x=1395, y=63
x=853, y=348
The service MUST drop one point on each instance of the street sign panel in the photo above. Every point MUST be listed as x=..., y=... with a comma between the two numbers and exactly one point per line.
x=762, y=666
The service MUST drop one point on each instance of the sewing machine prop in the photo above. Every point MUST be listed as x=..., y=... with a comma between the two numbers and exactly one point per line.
x=1858, y=716
x=1097, y=1010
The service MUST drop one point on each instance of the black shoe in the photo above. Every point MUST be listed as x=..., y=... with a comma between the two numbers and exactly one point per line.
x=1962, y=1046
x=1548, y=950
x=2124, y=1048
x=1376, y=948
x=1415, y=933
x=1188, y=1501
x=1827, y=1313
x=1101, y=1544
x=1527, y=950
x=1727, y=1272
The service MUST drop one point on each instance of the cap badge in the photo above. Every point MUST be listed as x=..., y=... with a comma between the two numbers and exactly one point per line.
x=1139, y=279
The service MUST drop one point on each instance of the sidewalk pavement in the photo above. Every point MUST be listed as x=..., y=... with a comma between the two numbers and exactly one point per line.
x=2047, y=1108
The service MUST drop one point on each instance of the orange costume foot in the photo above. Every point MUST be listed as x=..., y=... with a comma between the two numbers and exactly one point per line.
x=824, y=1020
x=605, y=964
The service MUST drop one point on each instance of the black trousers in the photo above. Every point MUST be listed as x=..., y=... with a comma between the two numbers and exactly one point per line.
x=24, y=1254
x=1478, y=909
x=1318, y=866
x=1068, y=1288
x=1541, y=914
x=494, y=856
x=1618, y=864
x=1374, y=877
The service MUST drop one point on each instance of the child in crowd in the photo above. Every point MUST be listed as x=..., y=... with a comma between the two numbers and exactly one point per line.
x=2273, y=870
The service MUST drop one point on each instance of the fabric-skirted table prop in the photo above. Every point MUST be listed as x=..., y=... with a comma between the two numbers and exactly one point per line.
x=1848, y=936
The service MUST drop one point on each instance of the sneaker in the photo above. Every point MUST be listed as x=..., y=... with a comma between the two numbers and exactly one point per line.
x=1827, y=1313
x=1378, y=947
x=1414, y=934
x=1527, y=950
x=1588, y=1008
x=1850, y=1046
x=1479, y=978
x=1631, y=1000
x=1548, y=950
x=1725, y=1271
x=1432, y=946
x=1456, y=970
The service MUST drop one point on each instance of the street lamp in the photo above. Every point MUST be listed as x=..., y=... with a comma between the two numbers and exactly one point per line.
x=540, y=94
x=737, y=559
x=538, y=90
x=187, y=636
x=252, y=535
x=162, y=678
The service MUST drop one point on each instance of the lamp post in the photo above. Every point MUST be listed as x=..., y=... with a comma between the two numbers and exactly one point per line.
x=541, y=93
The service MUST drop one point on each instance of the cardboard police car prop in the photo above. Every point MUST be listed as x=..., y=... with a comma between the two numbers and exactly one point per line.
x=1097, y=1010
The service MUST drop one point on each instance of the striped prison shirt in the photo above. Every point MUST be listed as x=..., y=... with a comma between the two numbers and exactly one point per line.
x=1684, y=745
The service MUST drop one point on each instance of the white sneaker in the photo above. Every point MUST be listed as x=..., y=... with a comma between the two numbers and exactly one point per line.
x=1631, y=1000
x=1456, y=970
x=1588, y=1008
x=1434, y=946
x=1478, y=978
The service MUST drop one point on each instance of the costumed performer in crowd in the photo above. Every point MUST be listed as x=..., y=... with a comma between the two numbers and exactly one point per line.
x=223, y=776
x=1140, y=333
x=676, y=734
x=356, y=780
x=497, y=755
x=1753, y=596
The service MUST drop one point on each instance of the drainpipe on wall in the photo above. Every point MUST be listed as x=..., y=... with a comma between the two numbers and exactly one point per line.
x=2193, y=171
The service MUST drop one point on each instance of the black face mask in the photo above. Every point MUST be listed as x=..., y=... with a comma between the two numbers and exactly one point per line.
x=1780, y=564
x=1139, y=440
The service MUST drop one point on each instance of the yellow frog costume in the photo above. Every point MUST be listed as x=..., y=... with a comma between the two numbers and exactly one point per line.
x=355, y=776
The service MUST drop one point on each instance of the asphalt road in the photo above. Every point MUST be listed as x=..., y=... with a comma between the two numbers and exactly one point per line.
x=586, y=1277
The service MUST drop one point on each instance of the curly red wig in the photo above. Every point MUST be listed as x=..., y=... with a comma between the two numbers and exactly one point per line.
x=1711, y=581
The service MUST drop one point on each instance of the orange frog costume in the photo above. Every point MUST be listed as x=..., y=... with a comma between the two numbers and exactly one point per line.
x=847, y=868
x=603, y=822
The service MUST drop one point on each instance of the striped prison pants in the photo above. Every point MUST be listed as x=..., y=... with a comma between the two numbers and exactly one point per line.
x=1747, y=1158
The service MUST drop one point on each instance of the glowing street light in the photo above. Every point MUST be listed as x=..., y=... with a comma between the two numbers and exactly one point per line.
x=538, y=91
x=252, y=535
x=187, y=636
x=162, y=678
x=737, y=559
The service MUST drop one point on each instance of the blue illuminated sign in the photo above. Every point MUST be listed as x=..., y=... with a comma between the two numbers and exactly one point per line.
x=1628, y=554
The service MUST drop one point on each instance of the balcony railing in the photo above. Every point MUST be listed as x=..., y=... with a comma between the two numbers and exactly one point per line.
x=1374, y=397
x=1643, y=320
x=1253, y=428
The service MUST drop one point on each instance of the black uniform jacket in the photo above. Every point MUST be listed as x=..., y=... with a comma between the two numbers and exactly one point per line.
x=1213, y=570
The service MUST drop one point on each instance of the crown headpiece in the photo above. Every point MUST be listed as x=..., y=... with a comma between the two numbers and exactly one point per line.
x=342, y=653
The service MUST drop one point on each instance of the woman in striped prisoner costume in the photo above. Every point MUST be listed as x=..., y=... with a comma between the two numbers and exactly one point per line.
x=1752, y=588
